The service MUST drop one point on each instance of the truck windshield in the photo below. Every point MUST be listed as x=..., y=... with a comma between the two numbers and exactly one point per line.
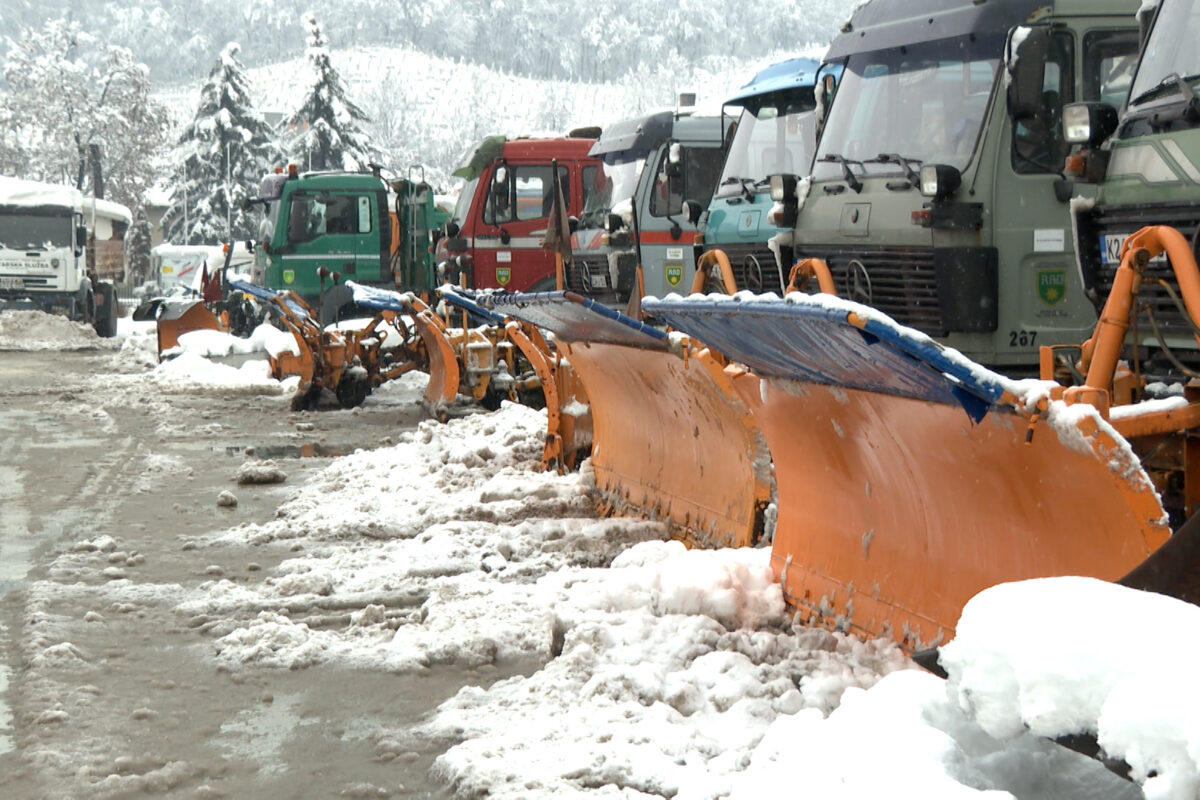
x=767, y=144
x=462, y=206
x=1169, y=51
x=925, y=102
x=604, y=185
x=34, y=231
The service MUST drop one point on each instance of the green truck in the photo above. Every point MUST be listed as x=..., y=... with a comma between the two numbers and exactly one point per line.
x=357, y=225
x=937, y=194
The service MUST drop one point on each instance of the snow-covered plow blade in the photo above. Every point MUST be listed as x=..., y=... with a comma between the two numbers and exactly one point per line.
x=174, y=319
x=671, y=438
x=908, y=477
x=436, y=355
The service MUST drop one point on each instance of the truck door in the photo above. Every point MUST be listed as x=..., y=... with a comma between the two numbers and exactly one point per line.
x=515, y=214
x=335, y=230
x=1041, y=297
x=667, y=238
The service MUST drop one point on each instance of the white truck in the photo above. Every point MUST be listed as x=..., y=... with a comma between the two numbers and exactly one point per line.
x=47, y=260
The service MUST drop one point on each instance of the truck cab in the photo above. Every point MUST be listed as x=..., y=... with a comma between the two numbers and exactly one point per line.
x=936, y=194
x=1144, y=162
x=494, y=237
x=678, y=159
x=49, y=257
x=355, y=224
x=775, y=133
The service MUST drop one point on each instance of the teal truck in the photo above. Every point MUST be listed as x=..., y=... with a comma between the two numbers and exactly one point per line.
x=774, y=133
x=357, y=225
x=1146, y=163
x=937, y=193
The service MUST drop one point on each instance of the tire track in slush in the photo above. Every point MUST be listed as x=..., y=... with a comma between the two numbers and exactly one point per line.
x=21, y=533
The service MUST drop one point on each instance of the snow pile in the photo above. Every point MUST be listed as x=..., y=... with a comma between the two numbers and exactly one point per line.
x=210, y=343
x=190, y=372
x=37, y=330
x=1041, y=656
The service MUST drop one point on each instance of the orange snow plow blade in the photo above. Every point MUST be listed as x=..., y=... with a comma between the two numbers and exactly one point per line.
x=176, y=319
x=670, y=438
x=441, y=363
x=909, y=478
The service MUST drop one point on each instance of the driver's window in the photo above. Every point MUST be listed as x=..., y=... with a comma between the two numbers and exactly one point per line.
x=1038, y=144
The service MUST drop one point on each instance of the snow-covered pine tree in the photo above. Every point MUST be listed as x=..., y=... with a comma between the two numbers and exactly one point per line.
x=326, y=130
x=137, y=248
x=225, y=150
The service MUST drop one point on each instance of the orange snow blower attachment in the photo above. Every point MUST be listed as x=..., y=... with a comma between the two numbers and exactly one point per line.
x=671, y=440
x=910, y=478
x=174, y=319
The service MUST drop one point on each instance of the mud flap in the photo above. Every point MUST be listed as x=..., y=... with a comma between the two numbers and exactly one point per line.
x=898, y=499
x=671, y=439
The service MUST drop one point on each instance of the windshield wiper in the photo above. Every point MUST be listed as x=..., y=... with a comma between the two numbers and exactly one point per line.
x=851, y=180
x=905, y=164
x=747, y=191
x=1172, y=81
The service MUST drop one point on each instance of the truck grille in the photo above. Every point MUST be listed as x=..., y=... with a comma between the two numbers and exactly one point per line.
x=754, y=267
x=899, y=281
x=585, y=269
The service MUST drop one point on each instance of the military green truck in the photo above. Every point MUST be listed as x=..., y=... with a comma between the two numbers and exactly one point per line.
x=937, y=193
x=357, y=225
x=1146, y=163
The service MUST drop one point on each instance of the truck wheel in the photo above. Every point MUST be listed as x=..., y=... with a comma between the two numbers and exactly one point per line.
x=105, y=313
x=352, y=391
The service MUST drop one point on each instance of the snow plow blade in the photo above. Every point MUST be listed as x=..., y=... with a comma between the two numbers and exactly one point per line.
x=176, y=319
x=670, y=438
x=439, y=360
x=910, y=478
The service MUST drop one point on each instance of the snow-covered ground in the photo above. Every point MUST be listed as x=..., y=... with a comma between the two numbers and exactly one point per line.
x=668, y=672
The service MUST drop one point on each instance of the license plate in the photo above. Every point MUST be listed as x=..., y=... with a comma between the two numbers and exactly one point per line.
x=1110, y=250
x=12, y=283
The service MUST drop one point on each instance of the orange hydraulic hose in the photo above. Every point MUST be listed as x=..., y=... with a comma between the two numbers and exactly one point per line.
x=1102, y=352
x=704, y=268
x=804, y=271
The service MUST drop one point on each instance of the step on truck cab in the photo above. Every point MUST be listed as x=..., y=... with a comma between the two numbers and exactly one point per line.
x=774, y=133
x=936, y=194
x=494, y=237
x=1147, y=173
x=52, y=261
x=677, y=157
x=358, y=225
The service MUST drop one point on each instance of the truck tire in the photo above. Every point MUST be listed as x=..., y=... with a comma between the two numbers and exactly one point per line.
x=104, y=310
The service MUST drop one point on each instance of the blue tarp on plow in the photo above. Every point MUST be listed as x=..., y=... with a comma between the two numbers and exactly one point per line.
x=574, y=318
x=812, y=341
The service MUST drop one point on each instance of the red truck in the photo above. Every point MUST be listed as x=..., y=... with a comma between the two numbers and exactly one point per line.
x=495, y=234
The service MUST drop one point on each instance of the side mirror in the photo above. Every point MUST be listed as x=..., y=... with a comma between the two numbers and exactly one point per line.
x=1026, y=64
x=81, y=235
x=1088, y=124
x=613, y=223
x=572, y=224
x=783, y=191
x=452, y=229
x=499, y=177
x=692, y=211
x=245, y=204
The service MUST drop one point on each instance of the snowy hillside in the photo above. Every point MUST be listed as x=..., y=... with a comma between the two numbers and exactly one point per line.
x=428, y=110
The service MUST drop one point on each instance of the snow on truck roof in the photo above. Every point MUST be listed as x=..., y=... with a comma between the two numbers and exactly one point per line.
x=30, y=194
